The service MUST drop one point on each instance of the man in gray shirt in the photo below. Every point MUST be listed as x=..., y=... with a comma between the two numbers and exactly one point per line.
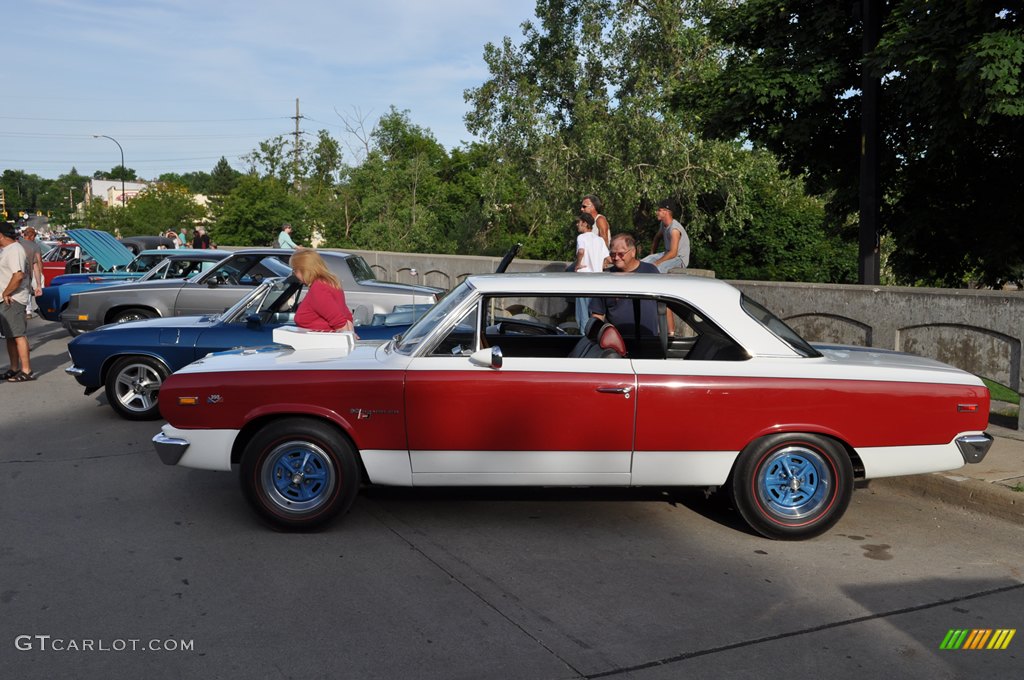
x=676, y=251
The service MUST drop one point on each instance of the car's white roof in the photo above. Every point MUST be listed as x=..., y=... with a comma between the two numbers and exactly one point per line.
x=717, y=300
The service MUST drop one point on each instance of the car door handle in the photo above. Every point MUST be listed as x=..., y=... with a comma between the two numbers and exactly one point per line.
x=616, y=390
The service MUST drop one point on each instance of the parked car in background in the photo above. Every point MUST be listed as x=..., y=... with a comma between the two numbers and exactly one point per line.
x=136, y=244
x=89, y=251
x=149, y=265
x=136, y=269
x=480, y=392
x=233, y=278
x=131, y=360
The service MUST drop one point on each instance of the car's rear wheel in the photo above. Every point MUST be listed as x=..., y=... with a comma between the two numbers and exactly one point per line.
x=792, y=486
x=132, y=314
x=299, y=473
x=133, y=387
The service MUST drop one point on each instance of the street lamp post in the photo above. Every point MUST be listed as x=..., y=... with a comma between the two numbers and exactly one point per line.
x=123, y=169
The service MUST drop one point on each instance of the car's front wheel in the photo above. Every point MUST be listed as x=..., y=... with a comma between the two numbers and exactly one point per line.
x=298, y=473
x=133, y=387
x=792, y=486
x=132, y=314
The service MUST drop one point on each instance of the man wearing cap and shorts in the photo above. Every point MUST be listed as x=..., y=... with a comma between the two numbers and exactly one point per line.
x=14, y=282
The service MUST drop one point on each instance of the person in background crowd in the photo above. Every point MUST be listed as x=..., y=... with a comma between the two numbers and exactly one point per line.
x=592, y=206
x=183, y=238
x=591, y=257
x=284, y=239
x=34, y=254
x=14, y=281
x=201, y=241
x=676, y=244
x=324, y=307
x=171, y=234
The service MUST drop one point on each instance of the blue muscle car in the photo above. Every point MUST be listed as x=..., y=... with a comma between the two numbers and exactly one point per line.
x=131, y=360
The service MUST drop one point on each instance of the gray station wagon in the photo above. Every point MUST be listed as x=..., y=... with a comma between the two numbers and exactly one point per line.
x=213, y=291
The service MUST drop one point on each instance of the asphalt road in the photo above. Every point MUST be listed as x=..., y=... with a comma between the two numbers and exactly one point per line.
x=102, y=545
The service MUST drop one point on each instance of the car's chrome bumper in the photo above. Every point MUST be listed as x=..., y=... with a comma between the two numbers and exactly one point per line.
x=170, y=449
x=973, y=447
x=74, y=370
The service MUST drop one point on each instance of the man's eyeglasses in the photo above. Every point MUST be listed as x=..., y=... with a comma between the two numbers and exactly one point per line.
x=614, y=255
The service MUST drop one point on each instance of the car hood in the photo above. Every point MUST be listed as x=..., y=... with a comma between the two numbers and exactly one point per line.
x=168, y=322
x=168, y=284
x=284, y=358
x=104, y=248
x=399, y=288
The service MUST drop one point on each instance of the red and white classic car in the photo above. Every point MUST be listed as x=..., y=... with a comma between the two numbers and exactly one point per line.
x=495, y=387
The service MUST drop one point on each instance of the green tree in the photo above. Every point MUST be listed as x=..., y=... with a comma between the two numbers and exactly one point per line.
x=254, y=210
x=395, y=199
x=223, y=178
x=159, y=208
x=585, y=104
x=952, y=119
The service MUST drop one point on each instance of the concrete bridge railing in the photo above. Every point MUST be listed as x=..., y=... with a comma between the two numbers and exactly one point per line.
x=980, y=331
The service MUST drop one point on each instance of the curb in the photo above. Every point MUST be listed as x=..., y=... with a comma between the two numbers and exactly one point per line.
x=975, y=495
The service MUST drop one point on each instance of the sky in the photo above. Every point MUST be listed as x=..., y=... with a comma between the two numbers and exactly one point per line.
x=180, y=83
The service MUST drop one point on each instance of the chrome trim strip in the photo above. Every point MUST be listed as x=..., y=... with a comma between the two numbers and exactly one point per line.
x=74, y=370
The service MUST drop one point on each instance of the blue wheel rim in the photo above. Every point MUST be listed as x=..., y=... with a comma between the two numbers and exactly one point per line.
x=794, y=483
x=298, y=477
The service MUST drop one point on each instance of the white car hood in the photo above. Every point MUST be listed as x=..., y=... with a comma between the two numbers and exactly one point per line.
x=282, y=358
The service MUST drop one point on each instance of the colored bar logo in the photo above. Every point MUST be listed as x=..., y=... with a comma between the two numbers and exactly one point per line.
x=978, y=638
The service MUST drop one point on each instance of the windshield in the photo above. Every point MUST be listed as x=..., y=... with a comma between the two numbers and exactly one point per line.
x=271, y=295
x=433, y=318
x=249, y=270
x=144, y=262
x=778, y=327
x=360, y=270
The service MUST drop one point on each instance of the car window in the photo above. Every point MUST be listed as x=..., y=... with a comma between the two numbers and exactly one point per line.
x=542, y=326
x=272, y=296
x=248, y=270
x=143, y=263
x=778, y=327
x=360, y=270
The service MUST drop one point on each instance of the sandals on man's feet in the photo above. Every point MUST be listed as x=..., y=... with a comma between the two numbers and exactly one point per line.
x=21, y=376
x=9, y=374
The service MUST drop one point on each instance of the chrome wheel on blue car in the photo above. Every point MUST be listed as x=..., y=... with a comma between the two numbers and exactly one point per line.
x=792, y=486
x=133, y=387
x=299, y=472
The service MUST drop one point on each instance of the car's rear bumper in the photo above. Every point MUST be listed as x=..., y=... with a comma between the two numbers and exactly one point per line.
x=973, y=447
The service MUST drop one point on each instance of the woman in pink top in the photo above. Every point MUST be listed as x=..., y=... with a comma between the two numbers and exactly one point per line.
x=324, y=307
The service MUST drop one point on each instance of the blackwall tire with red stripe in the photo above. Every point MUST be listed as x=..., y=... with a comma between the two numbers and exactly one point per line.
x=792, y=486
x=298, y=473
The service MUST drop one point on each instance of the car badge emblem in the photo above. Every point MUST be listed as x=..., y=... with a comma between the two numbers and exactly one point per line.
x=214, y=399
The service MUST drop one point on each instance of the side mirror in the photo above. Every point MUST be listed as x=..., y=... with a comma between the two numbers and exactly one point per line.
x=491, y=358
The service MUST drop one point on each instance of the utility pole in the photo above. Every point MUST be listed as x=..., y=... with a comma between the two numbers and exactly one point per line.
x=298, y=117
x=868, y=271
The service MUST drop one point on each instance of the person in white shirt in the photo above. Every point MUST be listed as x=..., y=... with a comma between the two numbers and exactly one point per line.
x=591, y=257
x=15, y=278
